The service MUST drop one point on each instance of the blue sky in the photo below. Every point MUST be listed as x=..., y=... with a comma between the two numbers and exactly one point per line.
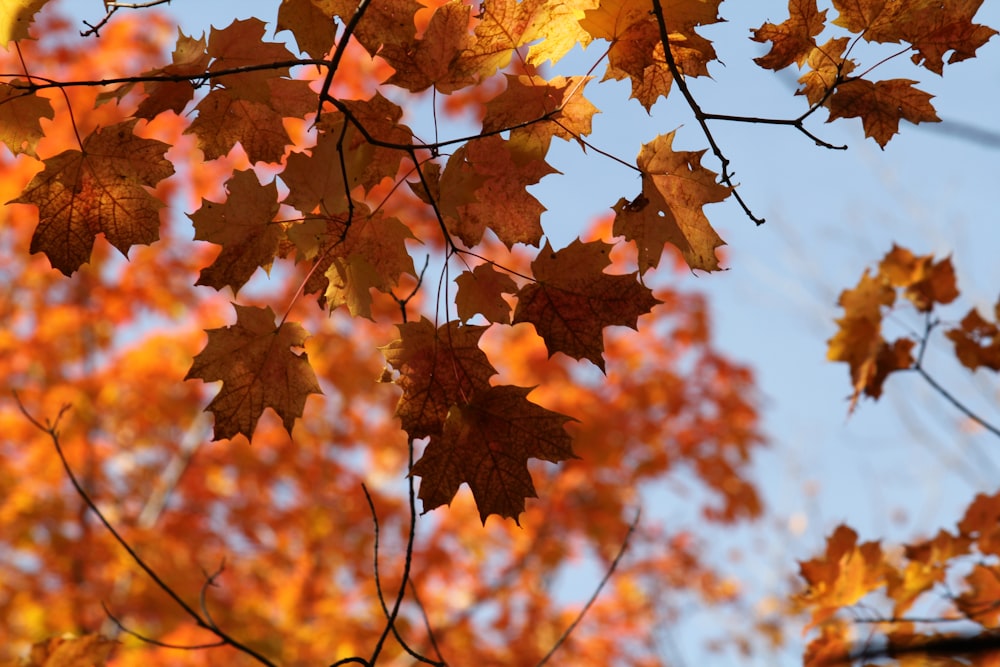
x=895, y=469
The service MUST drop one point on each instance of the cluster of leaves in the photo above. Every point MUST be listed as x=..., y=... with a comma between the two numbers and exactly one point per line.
x=924, y=283
x=334, y=216
x=116, y=340
x=304, y=162
x=831, y=77
x=953, y=578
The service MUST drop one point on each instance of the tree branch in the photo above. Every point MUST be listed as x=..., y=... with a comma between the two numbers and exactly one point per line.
x=51, y=428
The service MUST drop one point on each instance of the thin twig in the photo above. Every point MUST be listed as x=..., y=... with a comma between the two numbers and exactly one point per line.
x=593, y=598
x=427, y=622
x=378, y=586
x=52, y=430
x=407, y=562
x=156, y=642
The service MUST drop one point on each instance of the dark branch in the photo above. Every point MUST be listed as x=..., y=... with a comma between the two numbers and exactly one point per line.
x=52, y=430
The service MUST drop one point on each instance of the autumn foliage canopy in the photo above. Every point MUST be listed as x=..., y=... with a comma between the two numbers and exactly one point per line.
x=372, y=316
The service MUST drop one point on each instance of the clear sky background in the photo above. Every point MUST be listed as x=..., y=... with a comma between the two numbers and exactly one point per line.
x=895, y=469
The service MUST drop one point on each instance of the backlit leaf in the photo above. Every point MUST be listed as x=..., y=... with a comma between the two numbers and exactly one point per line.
x=255, y=361
x=245, y=228
x=573, y=299
x=101, y=190
x=881, y=105
x=438, y=368
x=486, y=443
x=675, y=188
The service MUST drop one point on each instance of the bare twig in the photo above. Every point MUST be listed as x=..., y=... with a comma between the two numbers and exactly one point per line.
x=112, y=7
x=597, y=591
x=156, y=642
x=378, y=588
x=51, y=428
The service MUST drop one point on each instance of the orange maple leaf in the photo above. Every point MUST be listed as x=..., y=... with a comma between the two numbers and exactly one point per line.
x=827, y=68
x=190, y=58
x=573, y=299
x=438, y=368
x=926, y=567
x=311, y=22
x=675, y=187
x=859, y=340
x=881, y=105
x=245, y=228
x=15, y=18
x=486, y=443
x=225, y=119
x=316, y=178
x=933, y=28
x=20, y=116
x=637, y=50
x=480, y=290
x=354, y=256
x=845, y=574
x=794, y=39
x=528, y=98
x=258, y=369
x=501, y=203
x=101, y=189
x=241, y=44
x=979, y=601
x=434, y=59
x=977, y=340
x=924, y=281
x=384, y=22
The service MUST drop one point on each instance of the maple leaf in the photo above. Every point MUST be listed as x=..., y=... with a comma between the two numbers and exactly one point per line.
x=20, y=116
x=926, y=567
x=637, y=50
x=384, y=22
x=101, y=189
x=225, y=119
x=241, y=44
x=15, y=17
x=374, y=256
x=925, y=282
x=434, y=59
x=438, y=368
x=977, y=341
x=573, y=299
x=553, y=28
x=190, y=57
x=981, y=523
x=353, y=256
x=311, y=22
x=793, y=40
x=486, y=443
x=244, y=226
x=844, y=575
x=479, y=291
x=881, y=105
x=317, y=178
x=859, y=340
x=501, y=203
x=675, y=187
x=979, y=601
x=529, y=98
x=932, y=28
x=451, y=190
x=827, y=68
x=258, y=369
